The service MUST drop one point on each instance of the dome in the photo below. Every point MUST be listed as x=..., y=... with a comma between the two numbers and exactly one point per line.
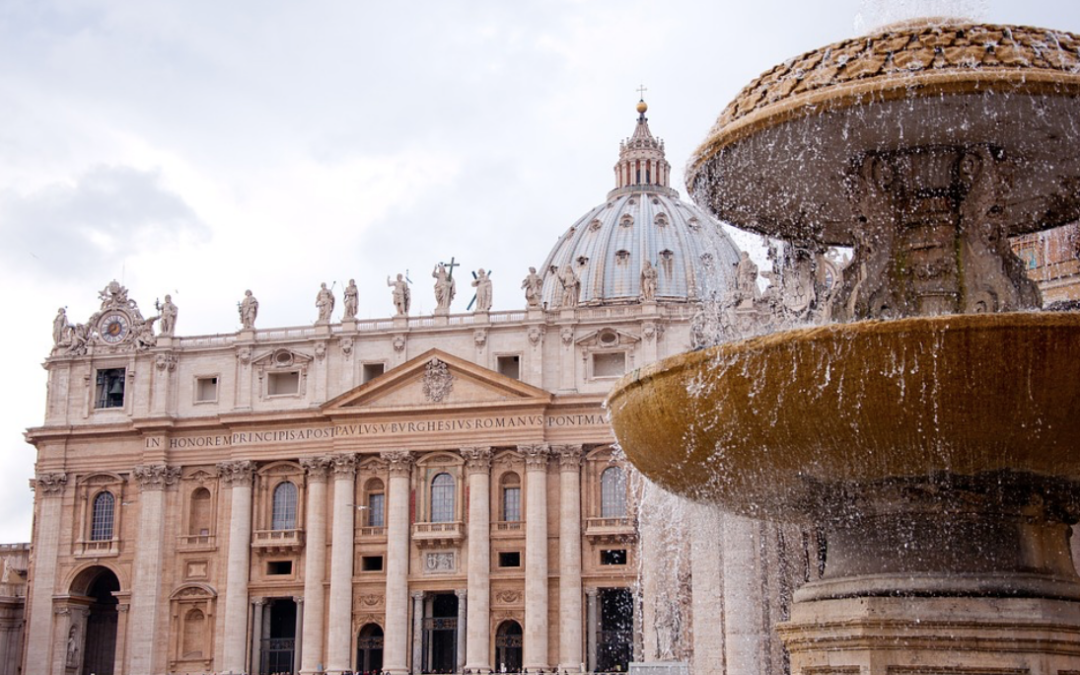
x=642, y=220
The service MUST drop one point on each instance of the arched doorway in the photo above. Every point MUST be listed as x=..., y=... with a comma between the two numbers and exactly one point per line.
x=99, y=645
x=508, y=647
x=369, y=646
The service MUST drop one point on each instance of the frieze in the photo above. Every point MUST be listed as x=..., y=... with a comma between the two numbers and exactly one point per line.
x=596, y=421
x=508, y=597
x=440, y=562
x=371, y=600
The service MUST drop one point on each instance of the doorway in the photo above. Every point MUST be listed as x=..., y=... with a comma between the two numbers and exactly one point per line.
x=508, y=647
x=615, y=646
x=440, y=633
x=99, y=648
x=369, y=648
x=278, y=649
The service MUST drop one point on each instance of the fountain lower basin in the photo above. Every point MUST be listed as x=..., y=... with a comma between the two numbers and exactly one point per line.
x=938, y=453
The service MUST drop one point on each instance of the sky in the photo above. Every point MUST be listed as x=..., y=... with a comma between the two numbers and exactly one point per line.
x=202, y=148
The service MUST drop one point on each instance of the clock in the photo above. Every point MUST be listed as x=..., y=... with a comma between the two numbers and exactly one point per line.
x=113, y=327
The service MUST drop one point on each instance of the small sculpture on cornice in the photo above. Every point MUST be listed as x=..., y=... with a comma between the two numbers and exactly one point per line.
x=437, y=380
x=482, y=283
x=249, y=310
x=533, y=285
x=402, y=294
x=167, y=311
x=649, y=277
x=324, y=302
x=351, y=301
x=571, y=286
x=60, y=330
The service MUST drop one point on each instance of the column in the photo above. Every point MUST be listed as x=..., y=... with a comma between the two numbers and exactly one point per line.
x=744, y=638
x=146, y=655
x=238, y=475
x=417, y=632
x=536, y=557
x=396, y=635
x=570, y=557
x=48, y=490
x=462, y=625
x=314, y=564
x=342, y=548
x=257, y=606
x=706, y=564
x=298, y=648
x=478, y=620
x=593, y=619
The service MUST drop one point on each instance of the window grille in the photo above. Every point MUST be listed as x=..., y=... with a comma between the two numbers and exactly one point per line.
x=612, y=493
x=376, y=517
x=512, y=504
x=442, y=498
x=101, y=523
x=283, y=516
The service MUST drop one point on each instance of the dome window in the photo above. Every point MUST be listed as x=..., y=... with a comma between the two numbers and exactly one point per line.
x=661, y=220
x=595, y=225
x=582, y=261
x=667, y=255
x=632, y=202
x=622, y=256
x=655, y=201
x=707, y=260
x=627, y=221
x=693, y=223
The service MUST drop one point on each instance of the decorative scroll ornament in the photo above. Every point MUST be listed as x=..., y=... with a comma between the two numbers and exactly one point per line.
x=569, y=456
x=438, y=381
x=316, y=468
x=398, y=462
x=237, y=473
x=345, y=465
x=477, y=459
x=536, y=456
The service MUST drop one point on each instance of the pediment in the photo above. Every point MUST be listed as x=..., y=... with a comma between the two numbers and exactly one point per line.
x=607, y=338
x=437, y=379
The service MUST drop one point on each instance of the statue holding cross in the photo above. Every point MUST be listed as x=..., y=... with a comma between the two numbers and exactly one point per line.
x=445, y=286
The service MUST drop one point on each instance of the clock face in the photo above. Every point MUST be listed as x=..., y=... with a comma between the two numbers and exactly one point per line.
x=113, y=327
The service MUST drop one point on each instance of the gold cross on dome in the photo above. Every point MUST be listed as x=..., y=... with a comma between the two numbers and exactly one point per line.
x=641, y=91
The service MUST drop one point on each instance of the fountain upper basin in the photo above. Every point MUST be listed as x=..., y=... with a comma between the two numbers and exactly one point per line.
x=772, y=426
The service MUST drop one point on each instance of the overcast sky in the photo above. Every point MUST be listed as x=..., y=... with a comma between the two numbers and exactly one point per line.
x=202, y=148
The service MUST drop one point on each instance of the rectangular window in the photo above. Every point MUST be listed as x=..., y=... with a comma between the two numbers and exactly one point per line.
x=373, y=370
x=283, y=384
x=278, y=567
x=511, y=504
x=509, y=558
x=613, y=557
x=371, y=563
x=609, y=365
x=205, y=389
x=110, y=388
x=375, y=511
x=510, y=366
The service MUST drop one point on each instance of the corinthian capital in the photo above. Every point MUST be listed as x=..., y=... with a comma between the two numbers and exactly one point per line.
x=50, y=483
x=536, y=456
x=569, y=456
x=156, y=476
x=477, y=460
x=344, y=465
x=238, y=472
x=398, y=462
x=316, y=468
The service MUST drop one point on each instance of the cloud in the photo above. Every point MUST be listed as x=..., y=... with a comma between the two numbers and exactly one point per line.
x=66, y=229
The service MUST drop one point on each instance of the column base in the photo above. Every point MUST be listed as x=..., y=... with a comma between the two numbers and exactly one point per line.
x=878, y=635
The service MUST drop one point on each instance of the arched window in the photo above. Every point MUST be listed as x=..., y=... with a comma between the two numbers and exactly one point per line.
x=511, y=497
x=101, y=522
x=442, y=498
x=612, y=493
x=199, y=522
x=376, y=503
x=283, y=516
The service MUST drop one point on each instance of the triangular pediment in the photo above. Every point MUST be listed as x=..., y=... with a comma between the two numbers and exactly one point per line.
x=437, y=379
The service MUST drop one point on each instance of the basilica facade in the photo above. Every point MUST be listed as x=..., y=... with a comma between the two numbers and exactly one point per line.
x=415, y=494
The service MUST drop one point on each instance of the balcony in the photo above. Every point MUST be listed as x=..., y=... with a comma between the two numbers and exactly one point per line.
x=611, y=530
x=438, y=534
x=97, y=549
x=370, y=534
x=278, y=541
x=507, y=529
x=197, y=542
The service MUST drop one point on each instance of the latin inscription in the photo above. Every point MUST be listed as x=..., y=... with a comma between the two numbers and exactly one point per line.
x=367, y=429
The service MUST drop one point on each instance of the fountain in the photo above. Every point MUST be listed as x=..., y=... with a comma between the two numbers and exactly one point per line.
x=931, y=434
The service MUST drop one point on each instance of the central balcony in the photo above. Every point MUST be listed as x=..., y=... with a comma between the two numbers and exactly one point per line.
x=438, y=534
x=611, y=530
x=278, y=541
